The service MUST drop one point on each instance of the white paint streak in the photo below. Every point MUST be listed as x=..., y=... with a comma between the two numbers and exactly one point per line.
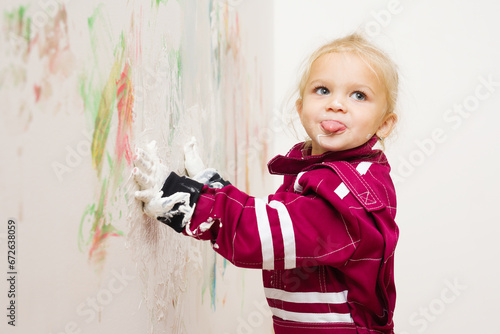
x=320, y=135
x=206, y=225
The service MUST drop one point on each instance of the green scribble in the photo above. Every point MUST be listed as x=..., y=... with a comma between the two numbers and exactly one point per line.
x=93, y=79
x=121, y=46
x=178, y=57
x=82, y=241
x=174, y=103
x=158, y=2
x=106, y=91
x=18, y=26
x=101, y=228
x=103, y=117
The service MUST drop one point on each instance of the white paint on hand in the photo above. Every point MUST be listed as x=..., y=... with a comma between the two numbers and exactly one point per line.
x=205, y=175
x=192, y=159
x=150, y=174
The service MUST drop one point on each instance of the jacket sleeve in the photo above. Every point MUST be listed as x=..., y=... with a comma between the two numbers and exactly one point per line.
x=290, y=229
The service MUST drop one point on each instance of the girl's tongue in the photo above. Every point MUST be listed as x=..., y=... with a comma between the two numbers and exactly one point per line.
x=332, y=126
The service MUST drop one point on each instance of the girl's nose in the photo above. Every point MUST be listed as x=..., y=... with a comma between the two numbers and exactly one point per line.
x=337, y=105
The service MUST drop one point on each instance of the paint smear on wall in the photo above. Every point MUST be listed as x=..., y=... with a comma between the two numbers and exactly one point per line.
x=109, y=104
x=36, y=61
x=163, y=70
x=239, y=112
x=120, y=77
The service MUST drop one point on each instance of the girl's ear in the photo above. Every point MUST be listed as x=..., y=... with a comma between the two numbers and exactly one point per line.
x=385, y=129
x=298, y=105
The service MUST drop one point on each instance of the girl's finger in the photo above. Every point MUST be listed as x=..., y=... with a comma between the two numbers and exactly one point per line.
x=144, y=195
x=142, y=155
x=141, y=178
x=192, y=159
x=143, y=164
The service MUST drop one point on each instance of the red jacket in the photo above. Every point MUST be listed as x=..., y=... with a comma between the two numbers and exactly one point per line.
x=325, y=240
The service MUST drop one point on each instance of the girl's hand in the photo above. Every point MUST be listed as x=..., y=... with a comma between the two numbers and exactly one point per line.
x=171, y=199
x=196, y=168
x=150, y=174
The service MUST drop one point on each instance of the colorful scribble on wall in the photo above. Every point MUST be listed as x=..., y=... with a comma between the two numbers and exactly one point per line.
x=30, y=45
x=123, y=74
x=106, y=98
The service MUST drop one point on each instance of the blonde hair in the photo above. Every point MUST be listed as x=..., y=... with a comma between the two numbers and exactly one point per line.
x=382, y=65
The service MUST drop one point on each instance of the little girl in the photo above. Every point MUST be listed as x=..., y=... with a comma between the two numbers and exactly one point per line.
x=325, y=240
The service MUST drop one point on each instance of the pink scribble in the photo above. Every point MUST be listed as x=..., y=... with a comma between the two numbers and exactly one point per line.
x=125, y=95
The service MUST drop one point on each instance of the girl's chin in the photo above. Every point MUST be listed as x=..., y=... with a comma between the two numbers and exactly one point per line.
x=326, y=143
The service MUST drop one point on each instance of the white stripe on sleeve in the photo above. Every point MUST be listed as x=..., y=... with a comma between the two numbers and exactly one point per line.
x=362, y=168
x=296, y=186
x=287, y=233
x=266, y=237
x=307, y=297
x=312, y=317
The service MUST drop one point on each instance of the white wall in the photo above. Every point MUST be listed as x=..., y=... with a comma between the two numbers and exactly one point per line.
x=146, y=70
x=447, y=190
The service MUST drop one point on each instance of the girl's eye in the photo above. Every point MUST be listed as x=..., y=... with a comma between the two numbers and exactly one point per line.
x=321, y=91
x=360, y=96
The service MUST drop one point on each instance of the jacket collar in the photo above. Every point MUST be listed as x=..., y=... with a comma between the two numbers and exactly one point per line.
x=298, y=159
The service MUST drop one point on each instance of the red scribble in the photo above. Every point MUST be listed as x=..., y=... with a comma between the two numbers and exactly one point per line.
x=125, y=95
x=38, y=90
x=96, y=252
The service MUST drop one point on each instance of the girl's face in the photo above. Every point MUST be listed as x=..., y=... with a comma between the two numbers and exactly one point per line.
x=343, y=104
